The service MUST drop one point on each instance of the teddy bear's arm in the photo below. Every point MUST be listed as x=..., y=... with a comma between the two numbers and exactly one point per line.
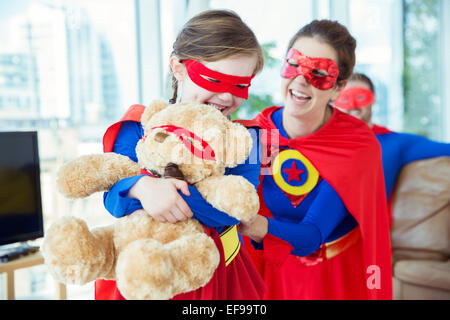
x=231, y=194
x=93, y=173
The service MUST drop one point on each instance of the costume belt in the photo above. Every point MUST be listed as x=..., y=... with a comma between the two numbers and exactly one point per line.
x=230, y=243
x=331, y=249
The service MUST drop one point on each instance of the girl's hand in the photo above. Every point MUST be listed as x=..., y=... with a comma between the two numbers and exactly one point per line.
x=256, y=228
x=160, y=198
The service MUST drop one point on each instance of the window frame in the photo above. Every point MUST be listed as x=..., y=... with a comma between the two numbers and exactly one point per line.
x=445, y=74
x=149, y=50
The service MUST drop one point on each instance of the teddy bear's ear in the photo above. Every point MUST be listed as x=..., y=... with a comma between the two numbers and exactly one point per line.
x=155, y=107
x=238, y=145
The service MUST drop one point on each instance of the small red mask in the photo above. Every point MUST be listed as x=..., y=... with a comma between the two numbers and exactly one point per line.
x=355, y=98
x=319, y=72
x=217, y=82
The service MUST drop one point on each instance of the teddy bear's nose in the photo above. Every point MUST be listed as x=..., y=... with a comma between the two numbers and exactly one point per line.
x=161, y=136
x=172, y=171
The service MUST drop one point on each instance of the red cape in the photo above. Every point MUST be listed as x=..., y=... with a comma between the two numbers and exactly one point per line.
x=237, y=281
x=380, y=130
x=348, y=156
x=133, y=113
x=383, y=130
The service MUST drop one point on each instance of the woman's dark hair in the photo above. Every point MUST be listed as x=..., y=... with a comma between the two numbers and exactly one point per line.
x=215, y=35
x=338, y=37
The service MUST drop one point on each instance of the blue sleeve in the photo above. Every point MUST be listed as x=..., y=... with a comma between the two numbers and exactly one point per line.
x=115, y=200
x=119, y=205
x=205, y=212
x=129, y=134
x=324, y=215
x=251, y=168
x=415, y=147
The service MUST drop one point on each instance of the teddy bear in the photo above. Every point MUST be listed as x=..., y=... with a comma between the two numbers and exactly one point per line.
x=147, y=258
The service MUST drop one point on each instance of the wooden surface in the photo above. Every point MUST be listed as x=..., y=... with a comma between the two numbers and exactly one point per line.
x=25, y=262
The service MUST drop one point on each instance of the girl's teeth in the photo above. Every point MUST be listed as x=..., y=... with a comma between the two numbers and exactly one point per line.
x=299, y=95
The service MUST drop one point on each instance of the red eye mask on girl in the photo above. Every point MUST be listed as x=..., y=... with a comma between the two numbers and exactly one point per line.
x=319, y=72
x=355, y=97
x=217, y=82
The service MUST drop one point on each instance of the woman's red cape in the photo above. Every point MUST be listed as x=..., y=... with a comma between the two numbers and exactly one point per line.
x=383, y=130
x=239, y=280
x=380, y=130
x=348, y=156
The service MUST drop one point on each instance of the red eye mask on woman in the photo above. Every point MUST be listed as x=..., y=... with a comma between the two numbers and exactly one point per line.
x=319, y=72
x=217, y=82
x=354, y=98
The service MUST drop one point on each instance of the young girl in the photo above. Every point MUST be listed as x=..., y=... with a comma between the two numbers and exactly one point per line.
x=214, y=58
x=322, y=232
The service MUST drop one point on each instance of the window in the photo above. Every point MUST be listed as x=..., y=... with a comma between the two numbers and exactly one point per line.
x=274, y=23
x=68, y=70
x=401, y=46
x=423, y=63
x=376, y=27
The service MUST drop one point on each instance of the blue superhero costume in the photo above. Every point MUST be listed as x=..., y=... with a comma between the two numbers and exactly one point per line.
x=399, y=149
x=324, y=192
x=306, y=226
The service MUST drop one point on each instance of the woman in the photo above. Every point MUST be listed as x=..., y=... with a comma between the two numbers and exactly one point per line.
x=398, y=149
x=322, y=231
x=214, y=58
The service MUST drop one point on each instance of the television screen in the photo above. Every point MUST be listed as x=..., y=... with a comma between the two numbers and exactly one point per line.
x=20, y=191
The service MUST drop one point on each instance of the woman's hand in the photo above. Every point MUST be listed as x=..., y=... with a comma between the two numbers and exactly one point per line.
x=160, y=198
x=256, y=228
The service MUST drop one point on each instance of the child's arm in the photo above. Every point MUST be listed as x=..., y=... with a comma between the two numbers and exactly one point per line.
x=119, y=202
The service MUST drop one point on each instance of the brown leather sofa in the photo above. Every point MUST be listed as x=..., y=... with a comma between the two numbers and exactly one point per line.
x=420, y=231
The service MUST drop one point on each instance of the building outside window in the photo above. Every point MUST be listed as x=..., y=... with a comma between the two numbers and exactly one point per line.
x=68, y=70
x=422, y=68
x=401, y=45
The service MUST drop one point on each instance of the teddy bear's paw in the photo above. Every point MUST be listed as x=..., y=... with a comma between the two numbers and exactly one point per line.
x=88, y=174
x=195, y=258
x=144, y=271
x=232, y=194
x=73, y=254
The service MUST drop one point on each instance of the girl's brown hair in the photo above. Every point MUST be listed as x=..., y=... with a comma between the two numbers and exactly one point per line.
x=215, y=35
x=337, y=36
